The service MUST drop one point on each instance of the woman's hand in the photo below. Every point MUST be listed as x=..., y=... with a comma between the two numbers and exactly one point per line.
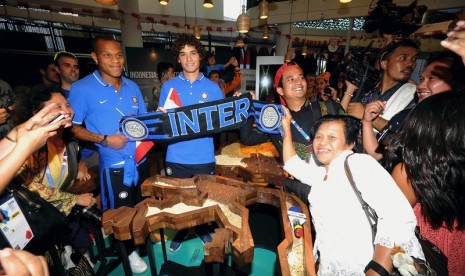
x=373, y=110
x=34, y=133
x=85, y=200
x=286, y=121
x=20, y=262
x=455, y=40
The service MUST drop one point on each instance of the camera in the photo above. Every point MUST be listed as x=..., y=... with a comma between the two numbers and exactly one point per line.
x=90, y=214
x=396, y=20
x=359, y=71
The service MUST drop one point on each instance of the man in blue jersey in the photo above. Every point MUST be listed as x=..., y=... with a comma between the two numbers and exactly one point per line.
x=196, y=156
x=100, y=100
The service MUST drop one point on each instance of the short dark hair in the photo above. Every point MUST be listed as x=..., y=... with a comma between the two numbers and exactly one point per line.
x=188, y=39
x=351, y=126
x=214, y=72
x=162, y=68
x=455, y=72
x=105, y=37
x=389, y=49
x=60, y=54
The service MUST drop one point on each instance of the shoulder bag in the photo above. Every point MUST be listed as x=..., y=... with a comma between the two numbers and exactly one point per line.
x=43, y=218
x=436, y=261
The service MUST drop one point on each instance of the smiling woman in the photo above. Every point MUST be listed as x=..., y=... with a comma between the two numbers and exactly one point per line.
x=324, y=173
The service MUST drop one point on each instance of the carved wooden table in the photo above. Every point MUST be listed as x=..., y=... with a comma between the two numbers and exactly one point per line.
x=232, y=198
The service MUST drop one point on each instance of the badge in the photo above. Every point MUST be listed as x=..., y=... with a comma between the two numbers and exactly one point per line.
x=134, y=129
x=204, y=95
x=123, y=195
x=270, y=117
x=135, y=100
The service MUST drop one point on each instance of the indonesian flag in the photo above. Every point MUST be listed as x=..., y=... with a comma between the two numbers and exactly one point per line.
x=172, y=101
x=142, y=147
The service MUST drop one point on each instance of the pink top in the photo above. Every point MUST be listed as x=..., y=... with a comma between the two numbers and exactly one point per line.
x=452, y=244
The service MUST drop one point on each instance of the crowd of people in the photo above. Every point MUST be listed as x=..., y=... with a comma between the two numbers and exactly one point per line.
x=403, y=143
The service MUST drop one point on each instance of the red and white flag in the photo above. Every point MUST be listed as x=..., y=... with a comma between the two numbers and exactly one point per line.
x=172, y=101
x=142, y=147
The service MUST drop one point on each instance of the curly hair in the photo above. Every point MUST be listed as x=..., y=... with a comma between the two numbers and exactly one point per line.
x=187, y=39
x=432, y=147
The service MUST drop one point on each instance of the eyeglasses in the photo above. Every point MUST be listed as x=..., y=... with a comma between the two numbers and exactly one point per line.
x=63, y=53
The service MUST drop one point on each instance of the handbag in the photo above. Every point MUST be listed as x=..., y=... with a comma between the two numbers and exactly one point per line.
x=435, y=261
x=43, y=218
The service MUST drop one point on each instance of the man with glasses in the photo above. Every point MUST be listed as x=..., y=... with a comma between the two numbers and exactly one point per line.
x=68, y=68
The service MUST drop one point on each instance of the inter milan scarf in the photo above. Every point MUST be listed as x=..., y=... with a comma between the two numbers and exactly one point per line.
x=202, y=119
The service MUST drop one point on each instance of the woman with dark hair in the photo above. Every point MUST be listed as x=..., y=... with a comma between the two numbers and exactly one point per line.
x=52, y=170
x=344, y=241
x=427, y=158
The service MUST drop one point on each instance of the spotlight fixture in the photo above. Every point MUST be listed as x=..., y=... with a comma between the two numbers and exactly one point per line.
x=243, y=22
x=240, y=41
x=107, y=2
x=266, y=33
x=163, y=2
x=263, y=9
x=208, y=4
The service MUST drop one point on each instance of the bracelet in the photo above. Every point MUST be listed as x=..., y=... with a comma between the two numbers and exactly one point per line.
x=10, y=139
x=348, y=94
x=376, y=267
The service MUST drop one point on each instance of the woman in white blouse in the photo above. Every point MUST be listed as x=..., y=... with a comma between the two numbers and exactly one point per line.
x=343, y=234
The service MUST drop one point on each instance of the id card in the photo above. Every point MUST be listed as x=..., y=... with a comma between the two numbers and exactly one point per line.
x=13, y=224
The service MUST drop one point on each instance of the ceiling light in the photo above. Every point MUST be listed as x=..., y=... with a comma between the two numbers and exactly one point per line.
x=263, y=9
x=197, y=31
x=208, y=4
x=243, y=22
x=304, y=50
x=345, y=1
x=266, y=34
x=289, y=55
x=163, y=2
x=240, y=41
x=107, y=2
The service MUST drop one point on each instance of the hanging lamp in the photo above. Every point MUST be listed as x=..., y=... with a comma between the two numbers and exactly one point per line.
x=266, y=33
x=305, y=49
x=243, y=22
x=107, y=2
x=163, y=2
x=208, y=4
x=240, y=41
x=197, y=28
x=290, y=52
x=263, y=9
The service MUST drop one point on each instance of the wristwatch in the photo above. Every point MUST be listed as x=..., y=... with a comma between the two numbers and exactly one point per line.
x=104, y=141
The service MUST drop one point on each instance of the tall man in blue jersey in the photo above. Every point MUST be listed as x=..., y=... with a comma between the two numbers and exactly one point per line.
x=188, y=158
x=100, y=100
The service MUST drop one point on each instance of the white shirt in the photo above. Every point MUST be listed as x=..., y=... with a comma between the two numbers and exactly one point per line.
x=344, y=238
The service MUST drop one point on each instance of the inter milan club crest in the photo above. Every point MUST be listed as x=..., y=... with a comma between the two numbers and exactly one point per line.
x=204, y=95
x=134, y=129
x=134, y=100
x=270, y=117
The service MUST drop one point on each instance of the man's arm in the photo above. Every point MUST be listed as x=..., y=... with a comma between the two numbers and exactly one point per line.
x=379, y=123
x=250, y=136
x=115, y=141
